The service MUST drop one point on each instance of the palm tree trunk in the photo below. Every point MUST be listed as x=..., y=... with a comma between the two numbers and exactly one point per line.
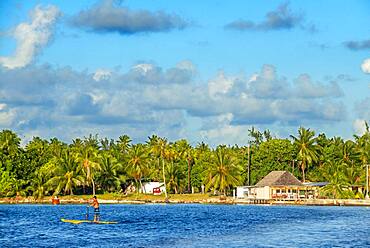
x=303, y=167
x=164, y=179
x=141, y=187
x=93, y=185
x=159, y=169
x=188, y=176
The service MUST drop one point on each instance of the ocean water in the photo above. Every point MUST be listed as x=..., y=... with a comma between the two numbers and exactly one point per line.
x=161, y=225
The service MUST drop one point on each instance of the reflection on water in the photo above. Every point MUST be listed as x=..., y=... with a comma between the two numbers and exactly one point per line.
x=186, y=226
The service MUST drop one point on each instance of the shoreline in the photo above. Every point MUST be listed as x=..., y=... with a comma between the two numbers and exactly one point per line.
x=214, y=200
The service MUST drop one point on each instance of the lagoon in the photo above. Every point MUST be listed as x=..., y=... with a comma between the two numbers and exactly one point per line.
x=186, y=225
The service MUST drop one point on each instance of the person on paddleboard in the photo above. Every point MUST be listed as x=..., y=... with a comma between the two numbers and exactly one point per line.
x=95, y=205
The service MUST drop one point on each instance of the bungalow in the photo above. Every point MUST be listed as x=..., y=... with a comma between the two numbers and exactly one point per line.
x=281, y=185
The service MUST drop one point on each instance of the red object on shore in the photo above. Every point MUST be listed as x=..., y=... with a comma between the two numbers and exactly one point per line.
x=55, y=201
x=157, y=191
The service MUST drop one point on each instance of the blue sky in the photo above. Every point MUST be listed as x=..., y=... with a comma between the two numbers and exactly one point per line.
x=202, y=70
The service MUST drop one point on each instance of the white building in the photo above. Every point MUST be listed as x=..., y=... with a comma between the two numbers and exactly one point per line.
x=279, y=185
x=148, y=187
x=242, y=192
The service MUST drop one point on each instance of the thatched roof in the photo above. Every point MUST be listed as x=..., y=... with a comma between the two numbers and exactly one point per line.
x=279, y=178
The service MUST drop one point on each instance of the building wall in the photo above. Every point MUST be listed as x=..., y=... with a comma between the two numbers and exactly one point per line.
x=242, y=192
x=149, y=186
x=261, y=192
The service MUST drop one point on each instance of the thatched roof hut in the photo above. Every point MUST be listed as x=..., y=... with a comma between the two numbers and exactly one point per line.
x=279, y=178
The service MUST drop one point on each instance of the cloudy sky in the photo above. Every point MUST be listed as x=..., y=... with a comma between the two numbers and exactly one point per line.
x=201, y=70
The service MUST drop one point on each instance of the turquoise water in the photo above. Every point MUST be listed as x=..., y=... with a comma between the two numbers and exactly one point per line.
x=186, y=226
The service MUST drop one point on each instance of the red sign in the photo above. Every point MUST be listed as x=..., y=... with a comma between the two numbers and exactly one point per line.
x=157, y=190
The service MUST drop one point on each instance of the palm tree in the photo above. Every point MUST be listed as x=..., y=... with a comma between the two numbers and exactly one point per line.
x=224, y=171
x=363, y=147
x=106, y=144
x=335, y=187
x=86, y=155
x=9, y=143
x=174, y=173
x=155, y=153
x=67, y=173
x=138, y=163
x=108, y=174
x=7, y=182
x=158, y=148
x=38, y=186
x=349, y=153
x=56, y=147
x=187, y=153
x=307, y=148
x=10, y=152
x=333, y=172
x=123, y=144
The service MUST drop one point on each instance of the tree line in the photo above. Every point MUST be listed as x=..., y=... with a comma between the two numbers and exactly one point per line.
x=92, y=165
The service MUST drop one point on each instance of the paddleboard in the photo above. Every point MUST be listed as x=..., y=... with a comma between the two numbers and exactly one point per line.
x=88, y=221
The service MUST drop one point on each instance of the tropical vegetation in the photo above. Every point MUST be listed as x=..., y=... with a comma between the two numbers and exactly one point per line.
x=91, y=165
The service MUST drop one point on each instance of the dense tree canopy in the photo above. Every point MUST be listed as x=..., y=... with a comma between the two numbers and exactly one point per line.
x=89, y=165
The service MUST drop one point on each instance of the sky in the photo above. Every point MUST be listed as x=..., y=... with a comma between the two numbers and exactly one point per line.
x=205, y=71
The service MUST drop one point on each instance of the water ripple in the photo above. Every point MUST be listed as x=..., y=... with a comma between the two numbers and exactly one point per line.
x=186, y=226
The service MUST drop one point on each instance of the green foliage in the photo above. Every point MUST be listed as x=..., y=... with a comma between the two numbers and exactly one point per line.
x=67, y=174
x=307, y=148
x=224, y=172
x=274, y=154
x=43, y=167
x=108, y=176
x=7, y=183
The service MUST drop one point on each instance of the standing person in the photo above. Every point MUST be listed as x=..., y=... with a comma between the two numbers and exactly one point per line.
x=95, y=205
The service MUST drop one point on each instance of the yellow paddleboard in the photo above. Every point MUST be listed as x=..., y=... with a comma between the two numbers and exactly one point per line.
x=88, y=221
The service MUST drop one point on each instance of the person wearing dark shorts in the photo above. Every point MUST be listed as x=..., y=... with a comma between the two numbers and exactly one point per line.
x=95, y=205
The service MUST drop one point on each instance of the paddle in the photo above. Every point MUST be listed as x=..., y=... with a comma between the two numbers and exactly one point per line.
x=87, y=212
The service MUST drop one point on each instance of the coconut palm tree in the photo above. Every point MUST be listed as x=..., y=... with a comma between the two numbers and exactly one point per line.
x=137, y=164
x=187, y=153
x=106, y=144
x=308, y=150
x=9, y=143
x=155, y=154
x=38, y=186
x=174, y=176
x=123, y=144
x=108, y=176
x=349, y=153
x=363, y=147
x=224, y=171
x=333, y=172
x=86, y=153
x=158, y=147
x=56, y=147
x=67, y=173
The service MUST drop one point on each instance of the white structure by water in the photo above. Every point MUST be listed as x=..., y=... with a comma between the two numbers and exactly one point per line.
x=149, y=187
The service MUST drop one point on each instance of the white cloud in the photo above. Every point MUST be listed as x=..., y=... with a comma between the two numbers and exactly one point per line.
x=253, y=78
x=148, y=99
x=31, y=37
x=306, y=88
x=186, y=65
x=102, y=74
x=2, y=106
x=6, y=116
x=366, y=66
x=222, y=132
x=220, y=85
x=144, y=68
x=359, y=126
